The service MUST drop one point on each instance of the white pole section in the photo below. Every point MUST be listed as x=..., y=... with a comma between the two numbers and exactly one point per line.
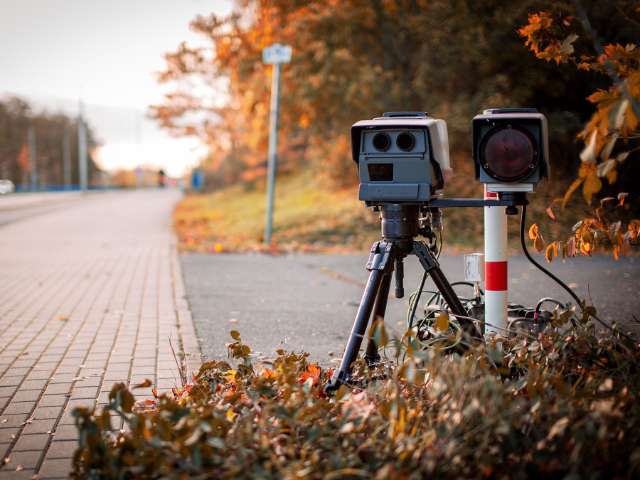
x=32, y=159
x=273, y=146
x=82, y=153
x=495, y=256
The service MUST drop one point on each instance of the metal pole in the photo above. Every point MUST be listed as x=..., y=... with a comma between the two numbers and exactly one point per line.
x=32, y=159
x=273, y=146
x=66, y=161
x=82, y=153
x=495, y=256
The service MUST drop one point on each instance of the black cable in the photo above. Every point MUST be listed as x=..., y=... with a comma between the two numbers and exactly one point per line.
x=558, y=281
x=526, y=253
x=547, y=299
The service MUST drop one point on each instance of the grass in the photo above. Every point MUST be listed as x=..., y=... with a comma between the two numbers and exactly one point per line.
x=309, y=216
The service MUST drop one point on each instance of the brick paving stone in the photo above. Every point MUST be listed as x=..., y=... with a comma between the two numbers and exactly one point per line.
x=13, y=475
x=108, y=266
x=37, y=441
x=62, y=449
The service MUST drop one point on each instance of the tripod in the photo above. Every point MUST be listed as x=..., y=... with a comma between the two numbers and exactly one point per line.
x=400, y=226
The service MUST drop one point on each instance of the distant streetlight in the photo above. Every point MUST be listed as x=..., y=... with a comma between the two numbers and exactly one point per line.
x=276, y=55
x=32, y=159
x=82, y=150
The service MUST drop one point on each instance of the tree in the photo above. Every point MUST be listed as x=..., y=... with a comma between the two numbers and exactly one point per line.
x=354, y=60
x=616, y=121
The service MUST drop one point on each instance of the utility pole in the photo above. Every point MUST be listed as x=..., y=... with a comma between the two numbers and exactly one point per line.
x=82, y=151
x=32, y=158
x=276, y=55
x=66, y=160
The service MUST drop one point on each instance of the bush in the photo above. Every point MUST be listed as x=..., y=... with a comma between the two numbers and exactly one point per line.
x=557, y=405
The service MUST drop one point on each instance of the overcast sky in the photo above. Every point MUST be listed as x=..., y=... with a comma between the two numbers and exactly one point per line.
x=48, y=48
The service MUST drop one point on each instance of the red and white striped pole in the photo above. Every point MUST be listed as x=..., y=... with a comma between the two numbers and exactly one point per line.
x=495, y=257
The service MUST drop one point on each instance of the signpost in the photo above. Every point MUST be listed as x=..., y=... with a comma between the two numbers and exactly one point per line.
x=276, y=55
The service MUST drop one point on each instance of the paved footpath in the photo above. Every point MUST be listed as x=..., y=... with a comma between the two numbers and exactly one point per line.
x=90, y=295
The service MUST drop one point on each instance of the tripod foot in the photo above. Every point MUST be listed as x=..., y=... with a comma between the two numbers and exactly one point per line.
x=340, y=377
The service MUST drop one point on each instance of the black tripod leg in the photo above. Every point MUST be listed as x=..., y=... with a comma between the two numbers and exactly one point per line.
x=432, y=266
x=380, y=262
x=371, y=354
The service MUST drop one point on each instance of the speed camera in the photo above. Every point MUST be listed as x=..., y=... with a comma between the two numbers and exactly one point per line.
x=402, y=157
x=511, y=149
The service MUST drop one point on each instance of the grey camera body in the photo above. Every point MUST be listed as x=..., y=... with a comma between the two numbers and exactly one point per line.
x=402, y=157
x=531, y=128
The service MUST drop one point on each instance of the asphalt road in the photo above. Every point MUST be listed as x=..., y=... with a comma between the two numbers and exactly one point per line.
x=308, y=302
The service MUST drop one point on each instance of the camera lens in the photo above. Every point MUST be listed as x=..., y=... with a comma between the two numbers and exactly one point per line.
x=405, y=141
x=509, y=154
x=381, y=141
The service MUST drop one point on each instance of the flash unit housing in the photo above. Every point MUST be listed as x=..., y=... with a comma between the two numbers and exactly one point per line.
x=402, y=157
x=511, y=149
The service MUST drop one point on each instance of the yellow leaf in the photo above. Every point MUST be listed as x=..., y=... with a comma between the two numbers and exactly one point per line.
x=591, y=186
x=533, y=231
x=612, y=176
x=630, y=119
x=442, y=321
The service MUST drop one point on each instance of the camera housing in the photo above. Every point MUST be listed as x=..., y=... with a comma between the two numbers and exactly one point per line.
x=402, y=157
x=511, y=149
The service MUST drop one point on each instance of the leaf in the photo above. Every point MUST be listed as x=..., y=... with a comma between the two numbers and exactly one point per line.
x=442, y=321
x=533, y=231
x=592, y=185
x=566, y=45
x=625, y=249
x=552, y=251
x=572, y=189
x=615, y=226
x=558, y=428
x=622, y=157
x=612, y=176
x=378, y=332
x=630, y=119
x=550, y=213
x=616, y=115
x=571, y=247
x=605, y=153
x=235, y=335
x=147, y=383
x=313, y=373
x=539, y=244
x=621, y=197
x=588, y=154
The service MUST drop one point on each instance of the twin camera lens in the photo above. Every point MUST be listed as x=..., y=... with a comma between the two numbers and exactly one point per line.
x=382, y=141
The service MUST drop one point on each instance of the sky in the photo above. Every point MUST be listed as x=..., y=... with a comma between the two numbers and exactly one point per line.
x=54, y=51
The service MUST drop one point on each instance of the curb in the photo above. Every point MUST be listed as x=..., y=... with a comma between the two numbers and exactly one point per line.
x=192, y=359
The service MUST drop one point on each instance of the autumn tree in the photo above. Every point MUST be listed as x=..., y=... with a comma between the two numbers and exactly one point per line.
x=355, y=60
x=610, y=136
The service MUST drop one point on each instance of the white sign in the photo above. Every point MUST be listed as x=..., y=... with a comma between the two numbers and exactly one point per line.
x=276, y=54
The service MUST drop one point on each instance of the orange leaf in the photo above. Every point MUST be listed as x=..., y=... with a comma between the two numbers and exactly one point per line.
x=533, y=231
x=551, y=252
x=621, y=197
x=572, y=189
x=550, y=213
x=592, y=185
